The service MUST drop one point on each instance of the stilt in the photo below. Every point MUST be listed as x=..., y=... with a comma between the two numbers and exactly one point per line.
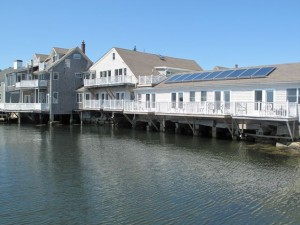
x=162, y=126
x=177, y=128
x=196, y=129
x=71, y=118
x=214, y=132
x=149, y=126
x=40, y=118
x=19, y=118
x=81, y=118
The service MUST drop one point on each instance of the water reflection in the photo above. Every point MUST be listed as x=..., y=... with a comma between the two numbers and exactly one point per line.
x=98, y=175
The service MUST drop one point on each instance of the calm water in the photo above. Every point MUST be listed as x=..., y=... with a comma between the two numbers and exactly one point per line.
x=98, y=175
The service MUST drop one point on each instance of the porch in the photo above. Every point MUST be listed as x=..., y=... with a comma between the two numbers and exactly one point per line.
x=109, y=81
x=24, y=107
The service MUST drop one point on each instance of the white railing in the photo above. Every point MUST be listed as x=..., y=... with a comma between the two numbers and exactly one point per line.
x=266, y=109
x=103, y=81
x=238, y=109
x=151, y=79
x=132, y=106
x=31, y=83
x=103, y=104
x=24, y=106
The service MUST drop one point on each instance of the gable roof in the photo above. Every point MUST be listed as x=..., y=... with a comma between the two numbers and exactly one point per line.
x=69, y=52
x=61, y=51
x=288, y=73
x=42, y=57
x=141, y=63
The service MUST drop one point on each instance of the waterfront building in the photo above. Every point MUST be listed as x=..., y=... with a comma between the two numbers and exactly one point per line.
x=112, y=79
x=44, y=88
x=261, y=100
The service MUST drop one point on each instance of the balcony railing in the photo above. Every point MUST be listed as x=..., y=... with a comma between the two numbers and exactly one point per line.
x=150, y=80
x=24, y=107
x=108, y=81
x=103, y=104
x=31, y=84
x=236, y=109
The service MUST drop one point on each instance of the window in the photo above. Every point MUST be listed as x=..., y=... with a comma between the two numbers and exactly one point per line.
x=291, y=95
x=79, y=98
x=203, y=96
x=132, y=97
x=93, y=75
x=113, y=56
x=101, y=74
x=125, y=71
x=68, y=63
x=180, y=99
x=270, y=95
x=153, y=99
x=78, y=75
x=227, y=96
x=76, y=56
x=55, y=97
x=192, y=96
x=258, y=99
x=55, y=75
x=173, y=99
x=97, y=96
x=120, y=71
x=109, y=73
x=116, y=72
x=0, y=96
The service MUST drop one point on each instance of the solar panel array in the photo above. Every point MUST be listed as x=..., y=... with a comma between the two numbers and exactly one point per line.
x=222, y=75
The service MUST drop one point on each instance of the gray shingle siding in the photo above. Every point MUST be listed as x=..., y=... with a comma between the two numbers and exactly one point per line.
x=67, y=83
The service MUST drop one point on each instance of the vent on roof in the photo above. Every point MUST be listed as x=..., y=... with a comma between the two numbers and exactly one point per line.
x=162, y=57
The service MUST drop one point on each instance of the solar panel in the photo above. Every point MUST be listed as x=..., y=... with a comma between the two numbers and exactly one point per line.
x=248, y=73
x=235, y=74
x=224, y=74
x=181, y=77
x=171, y=79
x=200, y=76
x=190, y=77
x=263, y=72
x=212, y=75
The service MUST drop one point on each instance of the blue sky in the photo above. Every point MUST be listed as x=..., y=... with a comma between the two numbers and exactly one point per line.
x=212, y=32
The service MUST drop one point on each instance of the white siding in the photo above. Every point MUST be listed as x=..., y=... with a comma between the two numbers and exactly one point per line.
x=108, y=63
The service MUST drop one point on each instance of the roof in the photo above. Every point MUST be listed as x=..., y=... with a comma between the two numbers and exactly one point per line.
x=284, y=73
x=61, y=51
x=10, y=70
x=70, y=51
x=42, y=57
x=141, y=63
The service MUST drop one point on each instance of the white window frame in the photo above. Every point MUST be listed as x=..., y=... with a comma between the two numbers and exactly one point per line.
x=55, y=99
x=55, y=75
x=79, y=98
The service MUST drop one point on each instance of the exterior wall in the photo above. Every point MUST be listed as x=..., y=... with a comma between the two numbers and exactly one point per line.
x=2, y=92
x=237, y=94
x=108, y=63
x=67, y=83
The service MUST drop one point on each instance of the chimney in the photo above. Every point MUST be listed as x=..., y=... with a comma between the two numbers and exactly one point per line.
x=236, y=66
x=83, y=47
x=18, y=64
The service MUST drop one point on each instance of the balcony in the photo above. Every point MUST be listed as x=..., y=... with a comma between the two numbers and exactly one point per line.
x=30, y=84
x=24, y=107
x=251, y=110
x=150, y=80
x=108, y=105
x=109, y=81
